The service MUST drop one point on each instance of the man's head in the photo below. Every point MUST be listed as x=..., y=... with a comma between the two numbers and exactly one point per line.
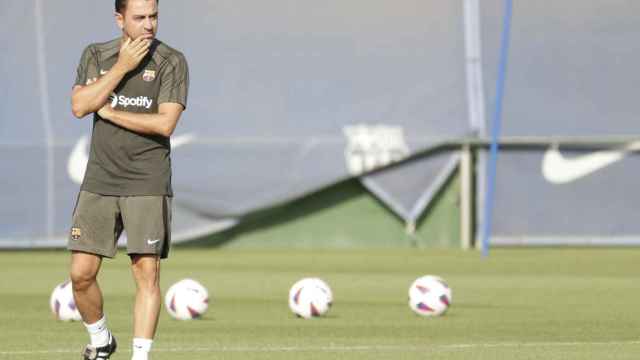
x=137, y=18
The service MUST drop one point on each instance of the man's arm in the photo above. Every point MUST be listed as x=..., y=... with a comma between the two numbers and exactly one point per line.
x=90, y=98
x=163, y=123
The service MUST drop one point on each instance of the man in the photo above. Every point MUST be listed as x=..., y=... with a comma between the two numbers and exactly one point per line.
x=136, y=86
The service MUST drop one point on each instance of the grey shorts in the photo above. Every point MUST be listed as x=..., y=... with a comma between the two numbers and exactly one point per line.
x=98, y=221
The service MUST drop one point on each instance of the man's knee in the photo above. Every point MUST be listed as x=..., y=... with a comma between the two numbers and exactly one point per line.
x=84, y=269
x=82, y=278
x=146, y=271
x=148, y=283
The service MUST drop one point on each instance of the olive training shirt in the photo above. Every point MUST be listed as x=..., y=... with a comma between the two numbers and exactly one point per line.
x=123, y=162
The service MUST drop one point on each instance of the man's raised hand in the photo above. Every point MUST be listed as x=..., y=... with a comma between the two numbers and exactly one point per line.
x=132, y=52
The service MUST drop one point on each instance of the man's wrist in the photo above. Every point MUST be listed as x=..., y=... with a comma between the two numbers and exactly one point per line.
x=119, y=69
x=106, y=112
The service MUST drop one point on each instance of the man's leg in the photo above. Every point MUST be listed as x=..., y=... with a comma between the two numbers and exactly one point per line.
x=92, y=237
x=146, y=220
x=146, y=273
x=86, y=292
x=88, y=299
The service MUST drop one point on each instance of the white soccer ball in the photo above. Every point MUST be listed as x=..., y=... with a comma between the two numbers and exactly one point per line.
x=310, y=297
x=62, y=304
x=429, y=296
x=187, y=299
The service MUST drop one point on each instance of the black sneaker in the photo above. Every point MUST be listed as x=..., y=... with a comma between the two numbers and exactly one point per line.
x=91, y=352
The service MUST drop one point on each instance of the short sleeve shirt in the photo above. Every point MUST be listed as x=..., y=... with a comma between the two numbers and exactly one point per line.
x=123, y=162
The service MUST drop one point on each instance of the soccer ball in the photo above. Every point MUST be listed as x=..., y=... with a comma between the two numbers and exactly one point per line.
x=62, y=304
x=429, y=296
x=310, y=297
x=187, y=299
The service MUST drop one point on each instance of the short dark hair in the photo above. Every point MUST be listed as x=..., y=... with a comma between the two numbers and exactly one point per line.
x=122, y=4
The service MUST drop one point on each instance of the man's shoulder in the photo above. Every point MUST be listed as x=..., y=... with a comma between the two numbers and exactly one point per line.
x=165, y=54
x=104, y=49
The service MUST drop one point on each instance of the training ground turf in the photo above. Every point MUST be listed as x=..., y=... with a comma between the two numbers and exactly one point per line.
x=517, y=304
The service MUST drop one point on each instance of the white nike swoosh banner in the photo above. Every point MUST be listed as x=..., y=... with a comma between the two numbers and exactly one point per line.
x=558, y=169
x=589, y=201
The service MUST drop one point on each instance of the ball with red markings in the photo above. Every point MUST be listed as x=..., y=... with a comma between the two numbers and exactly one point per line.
x=429, y=295
x=310, y=297
x=62, y=304
x=187, y=299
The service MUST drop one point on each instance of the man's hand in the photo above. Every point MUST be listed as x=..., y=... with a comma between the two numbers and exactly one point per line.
x=131, y=53
x=92, y=97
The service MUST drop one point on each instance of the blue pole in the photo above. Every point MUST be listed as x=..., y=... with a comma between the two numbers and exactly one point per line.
x=496, y=125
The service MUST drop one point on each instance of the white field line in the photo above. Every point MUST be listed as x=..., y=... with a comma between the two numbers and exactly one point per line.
x=338, y=348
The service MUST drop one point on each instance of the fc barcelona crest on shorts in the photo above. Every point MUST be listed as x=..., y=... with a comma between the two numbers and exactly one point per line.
x=149, y=75
x=76, y=233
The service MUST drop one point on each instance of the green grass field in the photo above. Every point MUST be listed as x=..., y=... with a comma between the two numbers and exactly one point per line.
x=518, y=304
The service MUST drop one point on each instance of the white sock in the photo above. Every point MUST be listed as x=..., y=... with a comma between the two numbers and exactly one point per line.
x=141, y=348
x=98, y=332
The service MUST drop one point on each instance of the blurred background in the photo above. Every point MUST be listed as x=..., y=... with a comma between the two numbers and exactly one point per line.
x=348, y=124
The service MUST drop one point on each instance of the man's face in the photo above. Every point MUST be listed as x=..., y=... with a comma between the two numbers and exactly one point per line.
x=139, y=19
